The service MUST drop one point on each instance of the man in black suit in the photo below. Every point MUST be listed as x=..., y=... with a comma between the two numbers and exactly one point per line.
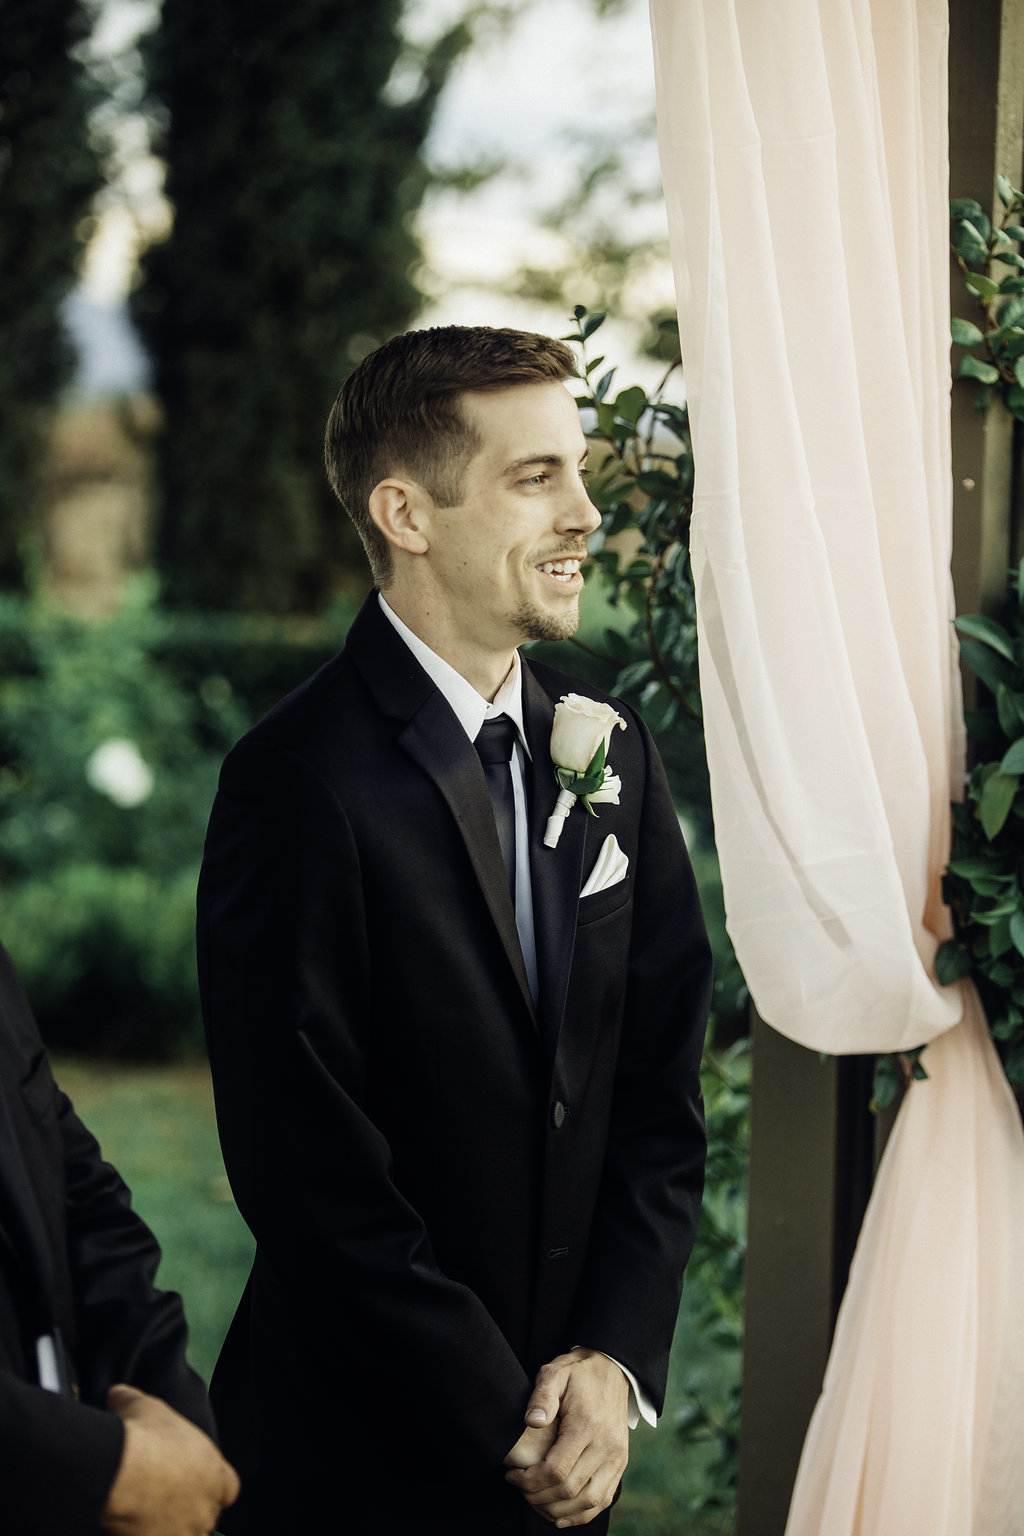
x=103, y=1426
x=456, y=1068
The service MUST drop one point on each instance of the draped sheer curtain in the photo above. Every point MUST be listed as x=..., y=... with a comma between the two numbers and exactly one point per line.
x=804, y=160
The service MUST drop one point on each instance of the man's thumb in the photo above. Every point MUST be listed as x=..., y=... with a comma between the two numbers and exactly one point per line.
x=544, y=1401
x=121, y=1399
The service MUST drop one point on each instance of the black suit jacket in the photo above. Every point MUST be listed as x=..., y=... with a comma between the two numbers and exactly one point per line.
x=447, y=1186
x=74, y=1257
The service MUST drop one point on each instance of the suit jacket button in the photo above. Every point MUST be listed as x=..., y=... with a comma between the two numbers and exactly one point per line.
x=558, y=1114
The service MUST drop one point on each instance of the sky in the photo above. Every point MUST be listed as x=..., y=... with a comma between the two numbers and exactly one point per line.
x=560, y=72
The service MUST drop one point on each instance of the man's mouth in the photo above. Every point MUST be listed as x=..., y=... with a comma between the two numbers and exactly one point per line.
x=561, y=570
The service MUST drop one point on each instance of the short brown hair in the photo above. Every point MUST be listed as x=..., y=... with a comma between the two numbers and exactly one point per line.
x=398, y=411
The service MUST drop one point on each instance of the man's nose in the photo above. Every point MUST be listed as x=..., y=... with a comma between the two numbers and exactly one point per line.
x=579, y=515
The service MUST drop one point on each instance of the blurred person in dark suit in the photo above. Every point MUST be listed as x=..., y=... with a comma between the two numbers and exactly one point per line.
x=103, y=1426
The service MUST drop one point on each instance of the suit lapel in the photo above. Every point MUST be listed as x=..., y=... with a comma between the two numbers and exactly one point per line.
x=436, y=742
x=556, y=873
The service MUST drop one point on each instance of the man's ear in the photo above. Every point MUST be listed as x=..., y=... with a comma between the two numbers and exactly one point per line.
x=400, y=509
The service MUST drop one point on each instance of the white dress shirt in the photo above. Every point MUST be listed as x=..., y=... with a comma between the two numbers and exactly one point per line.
x=471, y=710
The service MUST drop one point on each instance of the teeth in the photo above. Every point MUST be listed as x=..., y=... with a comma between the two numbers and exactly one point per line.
x=562, y=570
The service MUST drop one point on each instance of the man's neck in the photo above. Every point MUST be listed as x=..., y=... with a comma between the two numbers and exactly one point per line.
x=483, y=669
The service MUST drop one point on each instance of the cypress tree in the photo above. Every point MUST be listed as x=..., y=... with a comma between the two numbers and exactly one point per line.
x=49, y=172
x=293, y=173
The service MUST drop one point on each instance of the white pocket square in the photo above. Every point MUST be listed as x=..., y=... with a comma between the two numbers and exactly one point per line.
x=610, y=868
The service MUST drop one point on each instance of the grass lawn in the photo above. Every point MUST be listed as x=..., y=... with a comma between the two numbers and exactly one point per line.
x=156, y=1124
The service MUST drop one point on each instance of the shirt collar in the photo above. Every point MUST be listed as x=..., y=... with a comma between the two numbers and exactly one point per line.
x=471, y=708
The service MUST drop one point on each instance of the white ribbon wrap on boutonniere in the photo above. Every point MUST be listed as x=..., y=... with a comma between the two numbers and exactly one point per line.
x=580, y=736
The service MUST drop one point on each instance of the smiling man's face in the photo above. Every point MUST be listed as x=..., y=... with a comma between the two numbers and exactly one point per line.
x=506, y=558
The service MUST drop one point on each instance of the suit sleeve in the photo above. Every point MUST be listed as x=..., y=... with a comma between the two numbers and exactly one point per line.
x=288, y=1002
x=646, y=1216
x=58, y=1456
x=128, y=1330
x=58, y=1459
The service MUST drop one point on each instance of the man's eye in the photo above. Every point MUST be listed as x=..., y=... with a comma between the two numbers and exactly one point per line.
x=585, y=473
x=534, y=480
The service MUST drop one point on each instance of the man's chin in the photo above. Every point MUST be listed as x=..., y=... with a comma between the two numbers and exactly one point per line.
x=534, y=624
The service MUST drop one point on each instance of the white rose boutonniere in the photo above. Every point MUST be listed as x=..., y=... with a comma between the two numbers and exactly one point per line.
x=580, y=736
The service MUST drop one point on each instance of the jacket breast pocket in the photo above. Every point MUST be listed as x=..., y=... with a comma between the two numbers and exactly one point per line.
x=603, y=903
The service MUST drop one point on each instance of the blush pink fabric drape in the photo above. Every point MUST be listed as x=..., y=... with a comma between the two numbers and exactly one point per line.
x=804, y=161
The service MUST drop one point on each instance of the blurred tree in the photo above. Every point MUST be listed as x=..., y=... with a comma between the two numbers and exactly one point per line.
x=292, y=136
x=49, y=171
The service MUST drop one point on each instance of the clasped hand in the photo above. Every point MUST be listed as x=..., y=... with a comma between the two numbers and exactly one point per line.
x=570, y=1459
x=172, y=1480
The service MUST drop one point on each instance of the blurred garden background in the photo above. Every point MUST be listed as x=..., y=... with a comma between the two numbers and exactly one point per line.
x=208, y=214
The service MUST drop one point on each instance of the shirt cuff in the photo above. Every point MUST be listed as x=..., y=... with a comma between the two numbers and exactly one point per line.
x=640, y=1405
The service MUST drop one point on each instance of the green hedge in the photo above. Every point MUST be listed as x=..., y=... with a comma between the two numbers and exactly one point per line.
x=98, y=869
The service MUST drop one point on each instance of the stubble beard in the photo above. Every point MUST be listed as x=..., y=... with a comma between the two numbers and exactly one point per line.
x=534, y=624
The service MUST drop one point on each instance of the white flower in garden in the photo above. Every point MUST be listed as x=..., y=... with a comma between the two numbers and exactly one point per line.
x=118, y=770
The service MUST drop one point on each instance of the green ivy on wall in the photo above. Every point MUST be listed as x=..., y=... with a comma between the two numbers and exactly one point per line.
x=988, y=253
x=984, y=883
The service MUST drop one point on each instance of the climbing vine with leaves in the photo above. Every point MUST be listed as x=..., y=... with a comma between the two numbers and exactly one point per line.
x=988, y=253
x=984, y=883
x=642, y=484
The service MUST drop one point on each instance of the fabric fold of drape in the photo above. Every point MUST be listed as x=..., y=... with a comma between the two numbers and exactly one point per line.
x=805, y=169
x=918, y=1429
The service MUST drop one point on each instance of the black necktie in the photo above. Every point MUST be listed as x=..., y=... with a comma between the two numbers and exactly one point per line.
x=495, y=745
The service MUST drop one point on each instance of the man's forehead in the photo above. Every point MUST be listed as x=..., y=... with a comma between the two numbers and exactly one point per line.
x=523, y=422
